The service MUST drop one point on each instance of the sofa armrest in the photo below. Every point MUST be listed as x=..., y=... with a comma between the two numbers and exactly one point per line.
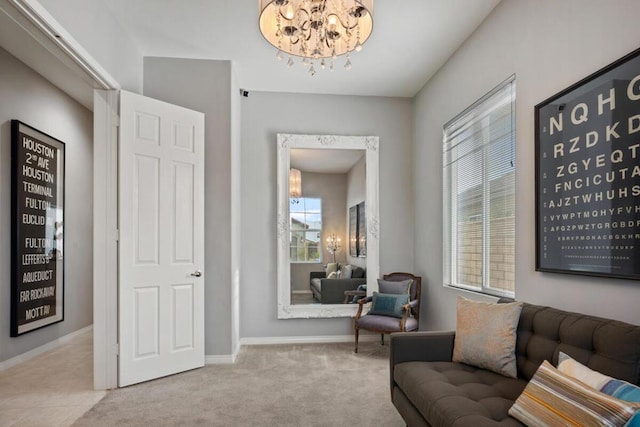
x=419, y=347
x=318, y=275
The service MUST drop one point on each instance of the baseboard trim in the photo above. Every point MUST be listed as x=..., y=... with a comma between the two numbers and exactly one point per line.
x=234, y=355
x=305, y=340
x=16, y=360
x=220, y=359
x=225, y=359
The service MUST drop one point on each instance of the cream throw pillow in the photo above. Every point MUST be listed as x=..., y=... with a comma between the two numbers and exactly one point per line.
x=345, y=271
x=486, y=335
x=331, y=268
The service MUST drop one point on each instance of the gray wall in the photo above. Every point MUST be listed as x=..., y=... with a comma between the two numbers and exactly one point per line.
x=549, y=45
x=28, y=97
x=264, y=115
x=206, y=86
x=236, y=210
x=332, y=189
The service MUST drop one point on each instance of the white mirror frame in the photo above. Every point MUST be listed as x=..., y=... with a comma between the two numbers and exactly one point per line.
x=285, y=142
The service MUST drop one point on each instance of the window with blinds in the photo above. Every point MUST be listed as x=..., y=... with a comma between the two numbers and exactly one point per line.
x=479, y=194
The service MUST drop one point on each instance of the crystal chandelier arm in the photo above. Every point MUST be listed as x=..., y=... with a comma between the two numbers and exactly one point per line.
x=342, y=24
x=307, y=35
x=283, y=9
x=336, y=21
x=297, y=20
x=283, y=15
x=305, y=24
x=348, y=28
x=356, y=12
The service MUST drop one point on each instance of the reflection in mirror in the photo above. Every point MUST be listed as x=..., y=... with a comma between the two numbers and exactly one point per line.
x=323, y=234
x=331, y=181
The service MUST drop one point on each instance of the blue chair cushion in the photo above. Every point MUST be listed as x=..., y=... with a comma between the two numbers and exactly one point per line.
x=388, y=304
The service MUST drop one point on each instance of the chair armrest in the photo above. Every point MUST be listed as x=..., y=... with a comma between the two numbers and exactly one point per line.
x=419, y=347
x=361, y=304
x=363, y=301
x=406, y=309
x=352, y=294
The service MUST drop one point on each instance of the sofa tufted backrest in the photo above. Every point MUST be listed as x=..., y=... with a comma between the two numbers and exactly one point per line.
x=608, y=346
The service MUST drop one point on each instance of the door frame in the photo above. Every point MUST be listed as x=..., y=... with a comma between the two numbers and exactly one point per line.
x=105, y=239
x=38, y=25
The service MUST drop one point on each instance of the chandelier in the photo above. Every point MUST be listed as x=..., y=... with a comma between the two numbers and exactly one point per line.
x=318, y=31
x=295, y=183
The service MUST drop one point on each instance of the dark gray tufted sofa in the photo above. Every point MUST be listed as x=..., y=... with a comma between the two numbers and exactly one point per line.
x=331, y=291
x=430, y=390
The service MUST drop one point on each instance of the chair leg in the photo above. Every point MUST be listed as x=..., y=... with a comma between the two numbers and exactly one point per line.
x=356, y=333
x=381, y=339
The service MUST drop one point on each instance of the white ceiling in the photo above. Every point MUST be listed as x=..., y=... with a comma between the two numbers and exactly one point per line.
x=411, y=40
x=325, y=160
x=21, y=38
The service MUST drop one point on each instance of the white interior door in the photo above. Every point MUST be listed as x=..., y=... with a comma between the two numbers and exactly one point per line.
x=161, y=222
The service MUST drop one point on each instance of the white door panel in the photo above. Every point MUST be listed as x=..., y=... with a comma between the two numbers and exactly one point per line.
x=161, y=216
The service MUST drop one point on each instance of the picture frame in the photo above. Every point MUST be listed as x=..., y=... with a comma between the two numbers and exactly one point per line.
x=587, y=175
x=353, y=231
x=37, y=231
x=362, y=231
x=357, y=231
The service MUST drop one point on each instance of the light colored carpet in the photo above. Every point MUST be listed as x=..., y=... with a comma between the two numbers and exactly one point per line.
x=306, y=298
x=281, y=385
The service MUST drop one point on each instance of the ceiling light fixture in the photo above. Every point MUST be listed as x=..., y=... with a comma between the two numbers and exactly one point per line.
x=318, y=31
x=295, y=183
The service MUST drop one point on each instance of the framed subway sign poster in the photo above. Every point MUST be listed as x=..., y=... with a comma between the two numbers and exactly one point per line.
x=37, y=232
x=588, y=175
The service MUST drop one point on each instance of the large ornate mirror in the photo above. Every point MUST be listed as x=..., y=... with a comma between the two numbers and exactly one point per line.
x=327, y=217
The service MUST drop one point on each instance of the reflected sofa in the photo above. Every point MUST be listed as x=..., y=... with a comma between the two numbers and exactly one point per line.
x=331, y=291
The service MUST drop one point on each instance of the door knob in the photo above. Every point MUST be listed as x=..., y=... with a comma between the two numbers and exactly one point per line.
x=197, y=273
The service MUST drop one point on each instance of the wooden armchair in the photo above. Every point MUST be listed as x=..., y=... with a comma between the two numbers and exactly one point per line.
x=387, y=324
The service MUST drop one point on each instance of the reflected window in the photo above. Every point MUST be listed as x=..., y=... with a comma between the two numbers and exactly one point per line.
x=305, y=223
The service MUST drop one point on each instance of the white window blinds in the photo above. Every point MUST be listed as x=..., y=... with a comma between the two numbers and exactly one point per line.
x=479, y=194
